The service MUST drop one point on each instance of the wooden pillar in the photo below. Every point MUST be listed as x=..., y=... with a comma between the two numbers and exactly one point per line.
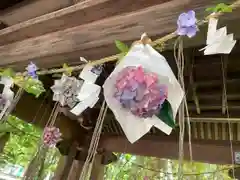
x=98, y=169
x=76, y=170
x=69, y=162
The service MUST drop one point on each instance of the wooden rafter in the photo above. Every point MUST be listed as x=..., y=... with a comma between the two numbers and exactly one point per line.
x=87, y=39
x=79, y=14
x=169, y=148
x=29, y=9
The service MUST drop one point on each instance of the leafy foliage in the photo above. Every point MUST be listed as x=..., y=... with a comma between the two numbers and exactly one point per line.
x=68, y=70
x=138, y=167
x=121, y=46
x=21, y=146
x=30, y=85
x=220, y=8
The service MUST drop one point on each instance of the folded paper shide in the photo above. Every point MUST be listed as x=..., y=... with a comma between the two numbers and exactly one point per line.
x=143, y=92
x=218, y=41
x=89, y=93
x=7, y=95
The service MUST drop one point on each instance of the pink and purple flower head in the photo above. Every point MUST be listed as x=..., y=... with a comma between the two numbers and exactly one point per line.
x=32, y=70
x=140, y=92
x=187, y=24
x=51, y=135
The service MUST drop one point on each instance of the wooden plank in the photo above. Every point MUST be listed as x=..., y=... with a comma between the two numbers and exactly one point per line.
x=50, y=49
x=82, y=13
x=208, y=151
x=29, y=9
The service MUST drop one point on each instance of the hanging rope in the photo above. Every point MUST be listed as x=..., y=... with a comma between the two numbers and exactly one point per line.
x=35, y=167
x=227, y=111
x=179, y=58
x=87, y=168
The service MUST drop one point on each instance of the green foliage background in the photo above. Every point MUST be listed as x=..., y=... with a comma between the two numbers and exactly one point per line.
x=130, y=167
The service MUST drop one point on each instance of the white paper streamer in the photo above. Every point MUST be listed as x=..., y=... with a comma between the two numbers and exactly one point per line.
x=89, y=93
x=218, y=42
x=135, y=127
x=7, y=94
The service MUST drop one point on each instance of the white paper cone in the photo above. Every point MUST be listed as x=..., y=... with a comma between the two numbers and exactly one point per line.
x=135, y=127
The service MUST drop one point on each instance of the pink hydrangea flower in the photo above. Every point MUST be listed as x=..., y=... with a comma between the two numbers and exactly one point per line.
x=51, y=135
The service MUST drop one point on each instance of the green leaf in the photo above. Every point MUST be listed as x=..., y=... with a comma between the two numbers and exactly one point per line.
x=4, y=128
x=8, y=72
x=166, y=114
x=30, y=85
x=68, y=70
x=121, y=46
x=221, y=7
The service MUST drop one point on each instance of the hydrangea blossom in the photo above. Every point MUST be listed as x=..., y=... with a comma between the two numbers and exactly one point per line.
x=140, y=92
x=187, y=24
x=32, y=70
x=97, y=69
x=51, y=136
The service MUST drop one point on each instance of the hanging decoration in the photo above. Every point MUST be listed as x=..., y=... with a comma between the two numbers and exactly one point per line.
x=51, y=136
x=65, y=90
x=89, y=92
x=218, y=42
x=187, y=24
x=143, y=92
x=7, y=95
x=32, y=70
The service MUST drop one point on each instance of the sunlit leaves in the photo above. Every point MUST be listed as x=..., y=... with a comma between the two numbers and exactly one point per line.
x=220, y=8
x=8, y=72
x=68, y=70
x=30, y=85
x=121, y=46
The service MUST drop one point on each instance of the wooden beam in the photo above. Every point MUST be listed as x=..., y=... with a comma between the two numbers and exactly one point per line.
x=52, y=48
x=203, y=151
x=69, y=162
x=29, y=9
x=81, y=13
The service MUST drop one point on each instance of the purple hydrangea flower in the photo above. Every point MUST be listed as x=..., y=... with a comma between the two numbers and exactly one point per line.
x=97, y=69
x=139, y=92
x=187, y=24
x=32, y=70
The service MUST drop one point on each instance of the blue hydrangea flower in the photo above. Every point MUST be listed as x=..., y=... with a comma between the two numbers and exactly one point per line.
x=32, y=70
x=97, y=69
x=187, y=24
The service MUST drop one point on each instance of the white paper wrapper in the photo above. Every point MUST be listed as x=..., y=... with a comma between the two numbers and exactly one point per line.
x=135, y=127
